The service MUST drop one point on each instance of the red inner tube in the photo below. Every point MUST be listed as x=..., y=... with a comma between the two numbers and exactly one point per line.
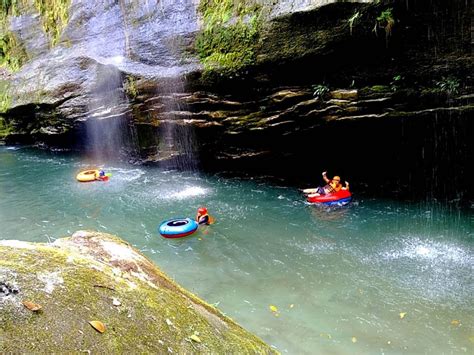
x=330, y=197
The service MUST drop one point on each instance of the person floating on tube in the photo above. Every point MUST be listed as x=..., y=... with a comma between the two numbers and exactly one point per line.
x=332, y=185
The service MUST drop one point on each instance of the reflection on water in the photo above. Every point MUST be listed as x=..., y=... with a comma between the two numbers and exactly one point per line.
x=338, y=277
x=329, y=213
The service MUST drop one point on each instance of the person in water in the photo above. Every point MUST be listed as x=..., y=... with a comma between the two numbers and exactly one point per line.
x=332, y=186
x=202, y=217
x=101, y=175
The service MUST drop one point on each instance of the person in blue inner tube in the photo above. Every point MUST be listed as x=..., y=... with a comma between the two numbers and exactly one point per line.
x=202, y=217
x=332, y=186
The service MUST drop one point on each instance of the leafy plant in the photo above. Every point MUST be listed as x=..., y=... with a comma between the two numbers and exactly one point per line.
x=449, y=85
x=7, y=5
x=54, y=16
x=352, y=21
x=130, y=87
x=320, y=90
x=385, y=20
x=396, y=82
x=12, y=52
x=5, y=99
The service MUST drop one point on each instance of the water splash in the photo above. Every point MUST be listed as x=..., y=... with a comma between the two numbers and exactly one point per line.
x=191, y=191
x=178, y=146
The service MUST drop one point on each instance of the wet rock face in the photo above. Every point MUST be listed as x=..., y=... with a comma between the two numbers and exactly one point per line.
x=103, y=40
x=98, y=277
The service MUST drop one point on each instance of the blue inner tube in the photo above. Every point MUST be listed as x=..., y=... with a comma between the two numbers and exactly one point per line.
x=178, y=227
x=340, y=202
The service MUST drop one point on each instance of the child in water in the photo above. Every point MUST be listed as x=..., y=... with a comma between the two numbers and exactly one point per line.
x=102, y=176
x=203, y=217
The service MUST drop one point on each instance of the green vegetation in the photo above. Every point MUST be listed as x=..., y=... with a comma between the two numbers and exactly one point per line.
x=230, y=35
x=130, y=87
x=353, y=20
x=396, y=82
x=385, y=20
x=5, y=128
x=5, y=6
x=5, y=99
x=320, y=91
x=12, y=52
x=54, y=16
x=449, y=85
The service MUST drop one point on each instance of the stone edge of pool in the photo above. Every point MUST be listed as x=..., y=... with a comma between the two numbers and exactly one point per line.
x=93, y=276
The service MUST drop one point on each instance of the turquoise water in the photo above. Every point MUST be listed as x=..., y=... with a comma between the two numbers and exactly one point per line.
x=339, y=279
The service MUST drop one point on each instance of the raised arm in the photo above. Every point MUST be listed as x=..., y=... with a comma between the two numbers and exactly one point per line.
x=325, y=177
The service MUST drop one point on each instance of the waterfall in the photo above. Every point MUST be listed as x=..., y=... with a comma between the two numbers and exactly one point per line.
x=107, y=128
x=118, y=47
x=177, y=147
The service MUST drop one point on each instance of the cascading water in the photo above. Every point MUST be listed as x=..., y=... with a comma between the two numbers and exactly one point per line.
x=107, y=130
x=177, y=148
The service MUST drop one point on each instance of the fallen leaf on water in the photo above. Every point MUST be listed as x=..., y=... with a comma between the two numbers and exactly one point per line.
x=455, y=322
x=273, y=308
x=402, y=315
x=354, y=339
x=195, y=338
x=97, y=325
x=471, y=339
x=325, y=335
x=31, y=306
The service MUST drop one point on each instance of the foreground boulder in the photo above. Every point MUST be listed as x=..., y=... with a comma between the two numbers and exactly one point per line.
x=50, y=294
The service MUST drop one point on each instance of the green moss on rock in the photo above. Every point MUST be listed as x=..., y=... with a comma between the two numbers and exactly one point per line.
x=5, y=98
x=95, y=276
x=54, y=16
x=230, y=35
x=12, y=52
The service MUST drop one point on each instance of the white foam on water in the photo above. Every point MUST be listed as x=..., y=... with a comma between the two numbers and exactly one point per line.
x=190, y=191
x=416, y=248
x=120, y=174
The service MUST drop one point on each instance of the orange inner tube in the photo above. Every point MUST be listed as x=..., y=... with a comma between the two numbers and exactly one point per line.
x=87, y=175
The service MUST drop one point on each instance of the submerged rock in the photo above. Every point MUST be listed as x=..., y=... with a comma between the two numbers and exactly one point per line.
x=95, y=292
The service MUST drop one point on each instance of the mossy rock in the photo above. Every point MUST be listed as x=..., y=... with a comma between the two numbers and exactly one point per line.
x=93, y=276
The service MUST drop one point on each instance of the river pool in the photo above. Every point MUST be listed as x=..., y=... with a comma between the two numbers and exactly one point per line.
x=377, y=276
